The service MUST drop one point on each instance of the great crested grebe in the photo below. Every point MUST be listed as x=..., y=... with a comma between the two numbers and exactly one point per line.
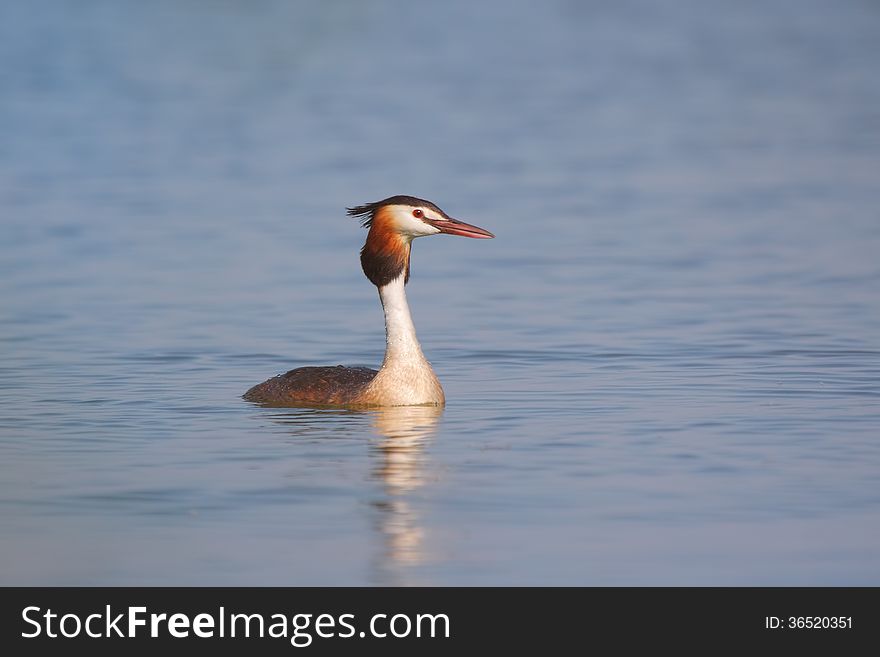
x=405, y=377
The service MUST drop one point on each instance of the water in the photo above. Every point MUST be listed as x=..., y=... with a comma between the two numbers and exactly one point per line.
x=664, y=370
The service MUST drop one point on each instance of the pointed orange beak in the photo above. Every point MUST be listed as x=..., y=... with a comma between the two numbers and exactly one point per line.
x=456, y=227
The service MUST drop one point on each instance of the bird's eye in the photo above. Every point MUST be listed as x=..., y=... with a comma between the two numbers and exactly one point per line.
x=418, y=214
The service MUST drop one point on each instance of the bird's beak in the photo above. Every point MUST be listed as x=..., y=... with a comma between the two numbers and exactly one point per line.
x=456, y=227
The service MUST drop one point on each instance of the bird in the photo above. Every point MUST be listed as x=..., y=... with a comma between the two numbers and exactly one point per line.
x=405, y=377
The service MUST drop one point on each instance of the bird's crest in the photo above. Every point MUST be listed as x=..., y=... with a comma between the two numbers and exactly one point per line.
x=365, y=213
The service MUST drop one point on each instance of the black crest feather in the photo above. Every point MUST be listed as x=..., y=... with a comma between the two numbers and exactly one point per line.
x=367, y=211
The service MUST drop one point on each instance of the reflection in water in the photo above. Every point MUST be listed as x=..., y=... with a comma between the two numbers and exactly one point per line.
x=401, y=466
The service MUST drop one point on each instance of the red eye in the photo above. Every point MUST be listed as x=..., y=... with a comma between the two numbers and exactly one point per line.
x=418, y=214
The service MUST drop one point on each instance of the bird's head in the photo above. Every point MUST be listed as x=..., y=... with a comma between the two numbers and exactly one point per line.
x=393, y=223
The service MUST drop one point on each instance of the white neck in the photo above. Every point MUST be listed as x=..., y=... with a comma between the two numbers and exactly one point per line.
x=401, y=343
x=406, y=377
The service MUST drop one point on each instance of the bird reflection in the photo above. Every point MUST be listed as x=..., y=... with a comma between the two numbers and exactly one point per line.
x=403, y=432
x=398, y=463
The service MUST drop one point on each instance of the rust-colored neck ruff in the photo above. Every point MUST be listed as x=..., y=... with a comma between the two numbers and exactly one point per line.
x=385, y=255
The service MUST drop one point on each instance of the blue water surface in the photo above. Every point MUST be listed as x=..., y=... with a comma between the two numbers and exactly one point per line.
x=664, y=371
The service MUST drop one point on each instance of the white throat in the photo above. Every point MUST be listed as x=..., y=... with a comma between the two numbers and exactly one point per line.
x=406, y=377
x=401, y=343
